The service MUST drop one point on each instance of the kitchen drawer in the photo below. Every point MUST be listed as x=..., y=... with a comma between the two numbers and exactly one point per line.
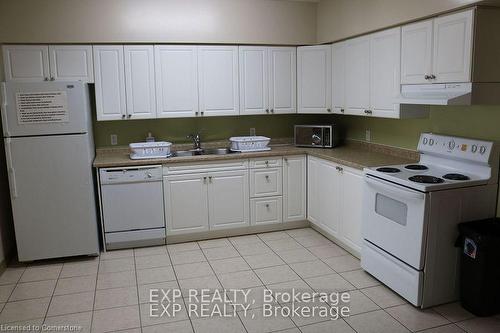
x=272, y=162
x=266, y=210
x=266, y=182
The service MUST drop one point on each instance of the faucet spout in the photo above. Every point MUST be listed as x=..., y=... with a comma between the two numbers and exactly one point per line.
x=196, y=141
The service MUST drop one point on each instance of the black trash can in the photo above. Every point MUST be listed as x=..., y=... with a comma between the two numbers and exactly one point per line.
x=480, y=266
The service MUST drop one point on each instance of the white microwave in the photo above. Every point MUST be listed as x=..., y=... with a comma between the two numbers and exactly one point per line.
x=320, y=136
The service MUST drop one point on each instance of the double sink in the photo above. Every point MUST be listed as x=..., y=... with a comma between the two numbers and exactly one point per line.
x=197, y=152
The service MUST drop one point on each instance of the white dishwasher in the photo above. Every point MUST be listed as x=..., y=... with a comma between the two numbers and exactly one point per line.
x=132, y=206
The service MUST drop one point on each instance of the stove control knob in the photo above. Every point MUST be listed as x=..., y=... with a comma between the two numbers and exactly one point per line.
x=482, y=150
x=451, y=145
x=425, y=140
x=431, y=142
x=474, y=149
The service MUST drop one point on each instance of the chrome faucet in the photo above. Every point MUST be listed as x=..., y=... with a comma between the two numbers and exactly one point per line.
x=196, y=141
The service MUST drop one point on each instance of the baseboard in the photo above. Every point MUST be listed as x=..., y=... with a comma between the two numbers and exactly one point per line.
x=337, y=241
x=3, y=266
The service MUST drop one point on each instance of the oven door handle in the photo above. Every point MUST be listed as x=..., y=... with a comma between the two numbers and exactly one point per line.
x=393, y=188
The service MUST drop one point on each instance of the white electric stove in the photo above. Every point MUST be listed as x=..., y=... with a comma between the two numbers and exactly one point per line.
x=411, y=212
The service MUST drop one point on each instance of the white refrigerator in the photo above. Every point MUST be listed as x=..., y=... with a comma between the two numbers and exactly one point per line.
x=49, y=150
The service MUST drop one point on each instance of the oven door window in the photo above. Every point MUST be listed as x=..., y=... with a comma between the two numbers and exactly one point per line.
x=391, y=209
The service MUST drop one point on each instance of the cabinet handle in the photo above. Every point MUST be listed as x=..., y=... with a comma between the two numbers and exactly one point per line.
x=202, y=112
x=342, y=110
x=368, y=111
x=196, y=113
x=433, y=76
x=272, y=110
x=204, y=180
x=129, y=116
x=286, y=160
x=45, y=78
x=267, y=206
x=52, y=79
x=123, y=116
x=267, y=163
x=267, y=110
x=210, y=179
x=427, y=77
x=329, y=110
x=267, y=178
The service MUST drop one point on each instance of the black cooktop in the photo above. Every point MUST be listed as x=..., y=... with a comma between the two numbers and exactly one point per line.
x=455, y=176
x=416, y=167
x=388, y=170
x=426, y=179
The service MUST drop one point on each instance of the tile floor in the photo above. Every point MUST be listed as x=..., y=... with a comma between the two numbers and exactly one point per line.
x=111, y=293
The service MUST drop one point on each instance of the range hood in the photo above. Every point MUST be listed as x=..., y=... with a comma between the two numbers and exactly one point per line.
x=468, y=93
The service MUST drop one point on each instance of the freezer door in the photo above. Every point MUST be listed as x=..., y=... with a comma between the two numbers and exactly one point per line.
x=52, y=193
x=44, y=108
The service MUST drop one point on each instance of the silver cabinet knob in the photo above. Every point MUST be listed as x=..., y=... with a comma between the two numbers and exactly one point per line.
x=267, y=163
x=196, y=113
x=204, y=180
x=202, y=112
x=433, y=76
x=149, y=175
x=342, y=110
x=368, y=111
x=52, y=79
x=286, y=160
x=329, y=110
x=272, y=110
x=427, y=77
x=210, y=179
x=123, y=116
x=45, y=78
x=267, y=178
x=267, y=206
x=267, y=110
x=129, y=116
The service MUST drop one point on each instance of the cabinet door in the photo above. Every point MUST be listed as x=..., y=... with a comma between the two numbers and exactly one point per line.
x=253, y=80
x=71, y=63
x=351, y=212
x=26, y=63
x=314, y=79
x=140, y=81
x=266, y=210
x=228, y=199
x=357, y=75
x=282, y=79
x=385, y=65
x=294, y=188
x=338, y=77
x=329, y=196
x=416, y=52
x=453, y=47
x=218, y=80
x=313, y=207
x=176, y=80
x=109, y=74
x=186, y=203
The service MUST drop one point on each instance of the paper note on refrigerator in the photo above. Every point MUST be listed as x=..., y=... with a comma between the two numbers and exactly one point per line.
x=42, y=107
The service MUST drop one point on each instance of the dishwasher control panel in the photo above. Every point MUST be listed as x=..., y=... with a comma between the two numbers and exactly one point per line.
x=130, y=174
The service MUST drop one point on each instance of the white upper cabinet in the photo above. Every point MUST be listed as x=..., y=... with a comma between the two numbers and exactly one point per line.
x=338, y=77
x=140, y=81
x=254, y=97
x=26, y=63
x=385, y=49
x=71, y=63
x=438, y=50
x=282, y=79
x=314, y=79
x=357, y=75
x=109, y=82
x=176, y=68
x=452, y=54
x=218, y=80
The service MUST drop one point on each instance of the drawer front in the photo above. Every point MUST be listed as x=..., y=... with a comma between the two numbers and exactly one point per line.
x=196, y=167
x=266, y=210
x=265, y=182
x=272, y=162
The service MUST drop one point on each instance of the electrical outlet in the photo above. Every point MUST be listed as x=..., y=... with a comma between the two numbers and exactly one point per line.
x=368, y=135
x=252, y=131
x=114, y=139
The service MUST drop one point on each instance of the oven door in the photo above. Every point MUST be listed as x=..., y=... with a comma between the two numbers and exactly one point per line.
x=395, y=220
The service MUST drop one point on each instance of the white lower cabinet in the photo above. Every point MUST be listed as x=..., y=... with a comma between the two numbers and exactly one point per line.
x=266, y=210
x=335, y=199
x=294, y=188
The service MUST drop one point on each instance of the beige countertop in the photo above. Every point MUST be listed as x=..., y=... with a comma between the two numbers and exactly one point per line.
x=354, y=154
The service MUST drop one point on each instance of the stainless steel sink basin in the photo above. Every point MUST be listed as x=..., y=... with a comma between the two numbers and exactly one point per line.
x=210, y=151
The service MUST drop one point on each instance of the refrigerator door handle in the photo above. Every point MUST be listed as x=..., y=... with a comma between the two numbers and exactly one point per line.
x=3, y=107
x=10, y=169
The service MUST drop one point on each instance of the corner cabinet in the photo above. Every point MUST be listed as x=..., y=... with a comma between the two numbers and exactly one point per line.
x=335, y=195
x=314, y=79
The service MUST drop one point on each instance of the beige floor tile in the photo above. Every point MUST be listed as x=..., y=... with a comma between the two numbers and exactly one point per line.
x=75, y=285
x=11, y=275
x=154, y=290
x=245, y=239
x=150, y=251
x=157, y=274
x=153, y=261
x=116, y=280
x=218, y=325
x=302, y=232
x=336, y=326
x=187, y=257
x=42, y=272
x=115, y=254
x=183, y=326
x=318, y=312
x=115, y=319
x=206, y=282
x=116, y=297
x=358, y=303
x=72, y=303
x=329, y=283
x=255, y=322
x=5, y=292
x=181, y=247
x=29, y=290
x=281, y=290
x=284, y=245
x=221, y=253
x=481, y=325
x=453, y=312
x=239, y=280
x=360, y=279
x=229, y=265
x=27, y=326
x=416, y=319
x=276, y=274
x=375, y=322
x=211, y=243
x=311, y=269
x=327, y=251
x=253, y=298
x=117, y=265
x=451, y=328
x=198, y=308
x=275, y=235
x=298, y=255
x=383, y=296
x=310, y=241
x=289, y=330
x=249, y=249
x=72, y=269
x=82, y=319
x=151, y=314
x=24, y=310
x=197, y=269
x=343, y=263
x=263, y=260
